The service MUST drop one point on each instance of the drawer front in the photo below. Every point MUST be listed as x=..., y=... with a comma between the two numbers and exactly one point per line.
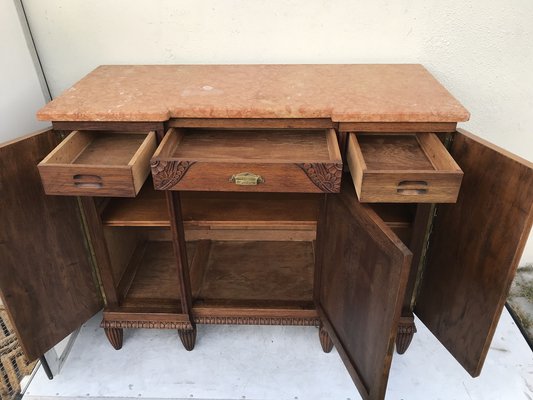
x=307, y=162
x=87, y=181
x=412, y=168
x=98, y=164
x=413, y=187
x=246, y=177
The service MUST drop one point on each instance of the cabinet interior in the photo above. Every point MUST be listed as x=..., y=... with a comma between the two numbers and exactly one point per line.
x=144, y=267
x=245, y=250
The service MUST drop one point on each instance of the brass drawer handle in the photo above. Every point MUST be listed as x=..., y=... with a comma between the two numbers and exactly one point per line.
x=88, y=181
x=246, y=179
x=412, y=188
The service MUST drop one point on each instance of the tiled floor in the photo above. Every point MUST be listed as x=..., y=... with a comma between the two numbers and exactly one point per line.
x=247, y=362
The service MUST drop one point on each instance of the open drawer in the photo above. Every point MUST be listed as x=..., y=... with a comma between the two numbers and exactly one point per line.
x=98, y=164
x=248, y=161
x=402, y=168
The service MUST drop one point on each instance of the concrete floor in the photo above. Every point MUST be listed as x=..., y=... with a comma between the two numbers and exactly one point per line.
x=259, y=363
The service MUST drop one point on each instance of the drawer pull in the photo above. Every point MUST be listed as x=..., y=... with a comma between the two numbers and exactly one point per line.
x=88, y=181
x=246, y=179
x=412, y=188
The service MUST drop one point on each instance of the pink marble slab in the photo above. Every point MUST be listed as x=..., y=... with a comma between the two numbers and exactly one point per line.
x=344, y=93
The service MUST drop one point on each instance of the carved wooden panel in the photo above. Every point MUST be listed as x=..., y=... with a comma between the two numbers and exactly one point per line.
x=327, y=177
x=167, y=174
x=241, y=320
x=144, y=324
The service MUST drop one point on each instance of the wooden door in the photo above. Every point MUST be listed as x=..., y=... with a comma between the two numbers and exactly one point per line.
x=362, y=270
x=475, y=248
x=46, y=276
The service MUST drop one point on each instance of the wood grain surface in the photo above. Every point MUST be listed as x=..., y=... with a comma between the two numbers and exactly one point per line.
x=251, y=271
x=475, y=249
x=364, y=269
x=46, y=278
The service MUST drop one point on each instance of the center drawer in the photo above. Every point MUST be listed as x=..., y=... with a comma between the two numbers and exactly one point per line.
x=248, y=161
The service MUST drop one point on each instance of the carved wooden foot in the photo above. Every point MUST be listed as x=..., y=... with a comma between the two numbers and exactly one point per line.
x=325, y=340
x=188, y=338
x=406, y=331
x=115, y=337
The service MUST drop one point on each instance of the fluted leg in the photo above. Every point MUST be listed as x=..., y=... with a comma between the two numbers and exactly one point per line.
x=188, y=337
x=115, y=337
x=325, y=340
x=406, y=331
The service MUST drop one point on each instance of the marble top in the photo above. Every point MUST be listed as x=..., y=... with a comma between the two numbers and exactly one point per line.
x=344, y=93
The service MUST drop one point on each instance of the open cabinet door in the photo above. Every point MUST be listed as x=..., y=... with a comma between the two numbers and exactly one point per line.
x=361, y=280
x=475, y=248
x=46, y=276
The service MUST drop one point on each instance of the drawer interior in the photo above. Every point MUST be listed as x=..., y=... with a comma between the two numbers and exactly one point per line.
x=398, y=168
x=393, y=152
x=97, y=148
x=248, y=145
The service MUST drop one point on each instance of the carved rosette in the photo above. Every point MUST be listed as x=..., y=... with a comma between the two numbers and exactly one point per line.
x=327, y=177
x=136, y=324
x=406, y=331
x=325, y=340
x=115, y=337
x=167, y=174
x=257, y=321
x=188, y=338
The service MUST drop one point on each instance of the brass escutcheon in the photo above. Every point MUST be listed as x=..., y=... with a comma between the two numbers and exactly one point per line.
x=246, y=179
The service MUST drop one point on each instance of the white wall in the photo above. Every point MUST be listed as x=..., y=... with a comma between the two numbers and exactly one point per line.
x=480, y=50
x=21, y=95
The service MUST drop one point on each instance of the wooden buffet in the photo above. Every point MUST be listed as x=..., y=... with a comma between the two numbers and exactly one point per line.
x=339, y=196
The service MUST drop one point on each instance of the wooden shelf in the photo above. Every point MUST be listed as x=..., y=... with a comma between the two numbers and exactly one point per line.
x=149, y=208
x=217, y=210
x=399, y=217
x=241, y=216
x=250, y=210
x=151, y=278
x=252, y=274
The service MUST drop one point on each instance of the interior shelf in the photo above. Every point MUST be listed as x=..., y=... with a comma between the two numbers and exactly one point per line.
x=253, y=273
x=241, y=216
x=217, y=210
x=149, y=208
x=151, y=277
x=397, y=216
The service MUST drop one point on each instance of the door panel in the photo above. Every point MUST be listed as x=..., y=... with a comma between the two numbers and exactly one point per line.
x=363, y=274
x=476, y=245
x=46, y=277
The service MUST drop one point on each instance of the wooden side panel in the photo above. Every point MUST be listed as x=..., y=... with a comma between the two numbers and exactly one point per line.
x=46, y=278
x=363, y=274
x=476, y=245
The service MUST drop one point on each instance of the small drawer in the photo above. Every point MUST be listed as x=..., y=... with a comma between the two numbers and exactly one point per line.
x=402, y=168
x=248, y=161
x=98, y=164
